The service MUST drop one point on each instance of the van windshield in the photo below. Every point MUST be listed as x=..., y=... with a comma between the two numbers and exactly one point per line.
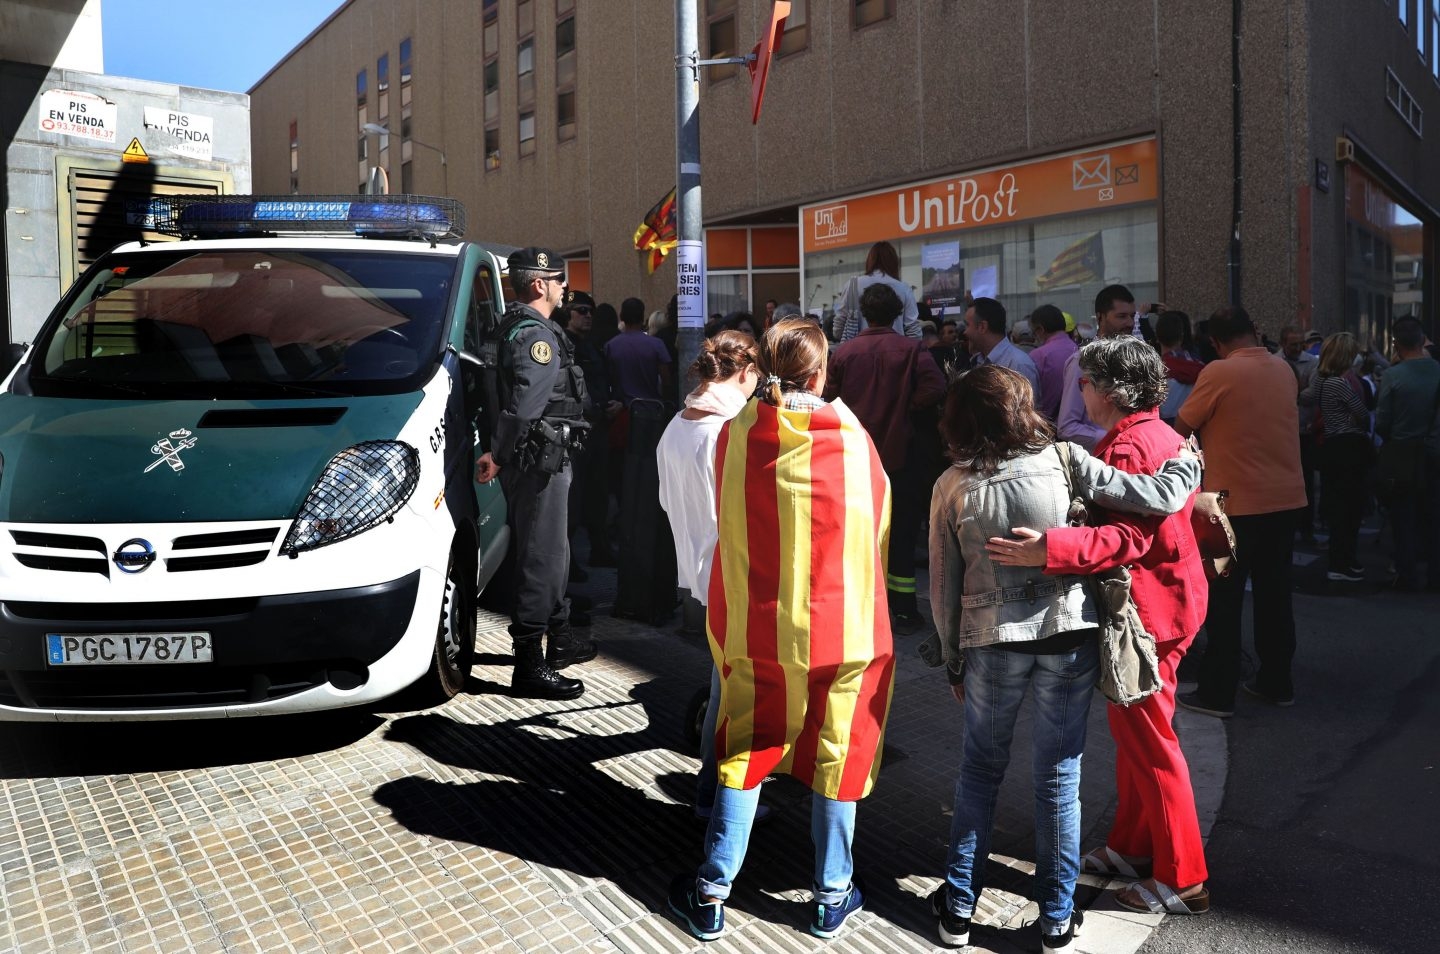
x=248, y=323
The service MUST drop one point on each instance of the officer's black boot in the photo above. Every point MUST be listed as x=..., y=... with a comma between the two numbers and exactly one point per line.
x=564, y=648
x=534, y=679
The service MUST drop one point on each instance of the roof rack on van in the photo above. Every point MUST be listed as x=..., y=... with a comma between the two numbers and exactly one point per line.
x=379, y=216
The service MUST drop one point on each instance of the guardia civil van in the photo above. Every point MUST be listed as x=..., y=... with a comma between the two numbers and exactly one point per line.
x=237, y=470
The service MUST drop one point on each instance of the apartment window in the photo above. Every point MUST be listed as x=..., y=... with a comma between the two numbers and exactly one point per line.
x=527, y=133
x=720, y=37
x=382, y=105
x=873, y=11
x=294, y=157
x=525, y=58
x=1403, y=103
x=490, y=28
x=797, y=29
x=1402, y=7
x=525, y=17
x=565, y=76
x=1435, y=39
x=407, y=179
x=407, y=73
x=362, y=138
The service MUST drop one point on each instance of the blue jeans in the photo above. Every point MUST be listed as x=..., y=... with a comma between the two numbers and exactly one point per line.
x=832, y=828
x=995, y=684
x=709, y=777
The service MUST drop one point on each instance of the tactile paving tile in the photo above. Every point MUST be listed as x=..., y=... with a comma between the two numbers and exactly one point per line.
x=491, y=823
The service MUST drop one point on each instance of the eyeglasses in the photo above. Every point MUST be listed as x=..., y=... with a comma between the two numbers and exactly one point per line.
x=580, y=309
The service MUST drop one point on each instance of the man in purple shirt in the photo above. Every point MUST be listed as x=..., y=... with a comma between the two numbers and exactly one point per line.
x=639, y=365
x=1114, y=316
x=1053, y=347
x=882, y=376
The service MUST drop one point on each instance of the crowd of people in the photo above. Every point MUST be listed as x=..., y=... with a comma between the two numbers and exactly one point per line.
x=795, y=478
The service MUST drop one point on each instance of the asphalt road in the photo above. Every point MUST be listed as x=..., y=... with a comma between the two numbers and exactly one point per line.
x=1328, y=839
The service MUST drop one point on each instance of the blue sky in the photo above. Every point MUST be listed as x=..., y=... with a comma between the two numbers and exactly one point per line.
x=215, y=44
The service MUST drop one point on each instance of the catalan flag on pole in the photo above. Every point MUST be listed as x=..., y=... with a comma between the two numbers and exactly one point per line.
x=798, y=620
x=1082, y=261
x=658, y=233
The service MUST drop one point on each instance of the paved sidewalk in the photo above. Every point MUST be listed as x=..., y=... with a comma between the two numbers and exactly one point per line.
x=495, y=824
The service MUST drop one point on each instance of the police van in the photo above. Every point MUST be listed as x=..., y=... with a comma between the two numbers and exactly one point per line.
x=237, y=470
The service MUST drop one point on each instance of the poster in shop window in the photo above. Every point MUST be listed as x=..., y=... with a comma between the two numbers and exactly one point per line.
x=942, y=277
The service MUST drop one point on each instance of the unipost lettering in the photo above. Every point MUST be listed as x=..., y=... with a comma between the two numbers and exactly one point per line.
x=962, y=203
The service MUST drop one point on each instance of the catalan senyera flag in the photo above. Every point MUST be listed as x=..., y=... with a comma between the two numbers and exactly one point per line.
x=1082, y=261
x=798, y=620
x=658, y=234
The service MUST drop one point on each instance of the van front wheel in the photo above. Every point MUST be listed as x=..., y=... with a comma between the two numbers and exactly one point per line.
x=454, y=638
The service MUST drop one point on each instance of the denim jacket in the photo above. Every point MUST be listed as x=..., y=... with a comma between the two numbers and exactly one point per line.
x=978, y=603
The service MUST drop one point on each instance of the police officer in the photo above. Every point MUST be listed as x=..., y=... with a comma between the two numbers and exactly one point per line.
x=542, y=398
x=590, y=490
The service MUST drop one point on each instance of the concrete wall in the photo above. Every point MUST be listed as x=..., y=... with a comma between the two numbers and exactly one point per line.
x=944, y=86
x=33, y=278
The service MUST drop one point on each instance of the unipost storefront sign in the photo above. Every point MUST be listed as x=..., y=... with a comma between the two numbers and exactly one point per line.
x=1082, y=181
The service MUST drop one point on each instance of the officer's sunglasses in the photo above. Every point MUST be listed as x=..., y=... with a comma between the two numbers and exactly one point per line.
x=580, y=309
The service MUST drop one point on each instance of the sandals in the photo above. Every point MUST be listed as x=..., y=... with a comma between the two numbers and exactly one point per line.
x=1109, y=863
x=1164, y=900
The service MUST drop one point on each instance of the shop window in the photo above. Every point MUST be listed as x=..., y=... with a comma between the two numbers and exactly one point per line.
x=720, y=37
x=527, y=133
x=873, y=11
x=565, y=71
x=797, y=29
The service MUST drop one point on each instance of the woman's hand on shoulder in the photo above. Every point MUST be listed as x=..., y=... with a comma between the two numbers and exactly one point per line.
x=1026, y=548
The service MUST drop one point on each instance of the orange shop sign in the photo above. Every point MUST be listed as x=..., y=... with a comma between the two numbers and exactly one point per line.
x=1084, y=181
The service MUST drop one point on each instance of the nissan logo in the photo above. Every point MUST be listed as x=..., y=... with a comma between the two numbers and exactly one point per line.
x=134, y=556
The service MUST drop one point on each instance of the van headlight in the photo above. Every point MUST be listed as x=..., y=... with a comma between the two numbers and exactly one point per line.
x=361, y=487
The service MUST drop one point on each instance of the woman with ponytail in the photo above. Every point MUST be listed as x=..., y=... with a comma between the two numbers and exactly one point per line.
x=686, y=458
x=797, y=624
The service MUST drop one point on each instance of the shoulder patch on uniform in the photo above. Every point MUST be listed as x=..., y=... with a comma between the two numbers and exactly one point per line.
x=542, y=352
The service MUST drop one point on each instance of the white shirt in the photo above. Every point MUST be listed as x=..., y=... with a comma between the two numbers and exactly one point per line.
x=686, y=459
x=908, y=324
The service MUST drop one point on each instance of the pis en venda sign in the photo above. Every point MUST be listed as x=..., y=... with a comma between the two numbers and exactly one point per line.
x=83, y=115
x=184, y=134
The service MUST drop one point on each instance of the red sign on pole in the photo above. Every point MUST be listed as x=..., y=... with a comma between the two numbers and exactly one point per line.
x=764, y=51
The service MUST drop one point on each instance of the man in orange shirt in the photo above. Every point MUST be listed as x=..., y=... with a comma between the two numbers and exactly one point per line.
x=1244, y=409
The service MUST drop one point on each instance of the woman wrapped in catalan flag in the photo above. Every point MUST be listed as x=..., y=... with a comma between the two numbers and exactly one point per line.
x=797, y=622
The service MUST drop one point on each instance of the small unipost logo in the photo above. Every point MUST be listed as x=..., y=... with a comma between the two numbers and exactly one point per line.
x=832, y=222
x=169, y=449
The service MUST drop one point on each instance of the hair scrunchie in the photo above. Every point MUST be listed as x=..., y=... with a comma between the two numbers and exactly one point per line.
x=773, y=379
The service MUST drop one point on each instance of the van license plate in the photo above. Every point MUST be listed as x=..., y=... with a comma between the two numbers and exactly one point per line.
x=110, y=649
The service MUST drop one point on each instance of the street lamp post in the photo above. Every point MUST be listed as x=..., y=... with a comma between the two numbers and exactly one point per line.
x=379, y=130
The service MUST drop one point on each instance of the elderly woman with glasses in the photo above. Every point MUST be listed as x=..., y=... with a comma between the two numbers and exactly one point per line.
x=1155, y=838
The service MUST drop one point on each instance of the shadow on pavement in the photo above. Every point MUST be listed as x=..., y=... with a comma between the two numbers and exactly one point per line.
x=32, y=750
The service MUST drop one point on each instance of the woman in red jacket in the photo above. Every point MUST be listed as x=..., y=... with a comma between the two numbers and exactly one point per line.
x=1156, y=834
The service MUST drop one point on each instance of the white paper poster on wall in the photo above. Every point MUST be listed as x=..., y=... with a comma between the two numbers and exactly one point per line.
x=83, y=115
x=690, y=266
x=184, y=134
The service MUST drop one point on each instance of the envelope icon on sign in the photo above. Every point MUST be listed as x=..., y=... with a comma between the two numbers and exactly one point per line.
x=1090, y=172
x=1127, y=175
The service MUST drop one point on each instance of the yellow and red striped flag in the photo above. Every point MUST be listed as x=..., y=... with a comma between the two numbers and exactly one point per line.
x=798, y=619
x=658, y=233
x=1081, y=261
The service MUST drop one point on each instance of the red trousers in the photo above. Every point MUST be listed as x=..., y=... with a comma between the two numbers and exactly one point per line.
x=1156, y=813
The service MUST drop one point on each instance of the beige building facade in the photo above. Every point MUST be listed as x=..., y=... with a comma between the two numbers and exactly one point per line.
x=1036, y=150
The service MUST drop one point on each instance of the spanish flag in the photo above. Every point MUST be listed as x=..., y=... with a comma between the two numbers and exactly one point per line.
x=1082, y=261
x=658, y=232
x=798, y=620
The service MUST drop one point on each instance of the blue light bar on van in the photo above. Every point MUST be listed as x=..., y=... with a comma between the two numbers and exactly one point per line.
x=380, y=216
